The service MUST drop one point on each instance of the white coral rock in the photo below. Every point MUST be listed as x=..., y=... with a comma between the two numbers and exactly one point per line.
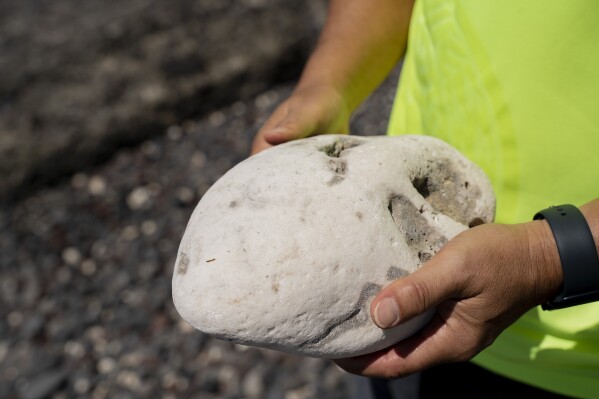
x=287, y=250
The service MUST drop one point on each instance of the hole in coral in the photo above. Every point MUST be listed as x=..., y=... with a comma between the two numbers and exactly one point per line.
x=421, y=184
x=335, y=149
x=424, y=256
x=338, y=166
x=475, y=222
x=420, y=236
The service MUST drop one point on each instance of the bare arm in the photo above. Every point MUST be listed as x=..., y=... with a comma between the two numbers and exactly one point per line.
x=361, y=42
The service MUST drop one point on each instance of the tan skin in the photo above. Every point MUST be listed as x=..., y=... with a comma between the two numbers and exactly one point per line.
x=361, y=42
x=482, y=280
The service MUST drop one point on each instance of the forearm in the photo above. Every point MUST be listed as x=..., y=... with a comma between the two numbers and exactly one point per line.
x=361, y=42
x=590, y=211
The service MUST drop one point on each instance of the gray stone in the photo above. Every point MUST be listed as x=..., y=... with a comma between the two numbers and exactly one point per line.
x=43, y=385
x=287, y=250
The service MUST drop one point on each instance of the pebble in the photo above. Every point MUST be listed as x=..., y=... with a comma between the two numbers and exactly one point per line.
x=71, y=256
x=94, y=307
x=63, y=275
x=185, y=327
x=150, y=149
x=238, y=108
x=174, y=132
x=3, y=350
x=14, y=319
x=147, y=270
x=198, y=160
x=81, y=386
x=154, y=189
x=190, y=126
x=97, y=185
x=88, y=267
x=106, y=365
x=101, y=391
x=253, y=385
x=129, y=379
x=79, y=180
x=99, y=249
x=130, y=233
x=184, y=195
x=172, y=381
x=216, y=118
x=96, y=334
x=304, y=392
x=266, y=100
x=9, y=374
x=8, y=289
x=132, y=359
x=139, y=198
x=165, y=245
x=74, y=349
x=149, y=227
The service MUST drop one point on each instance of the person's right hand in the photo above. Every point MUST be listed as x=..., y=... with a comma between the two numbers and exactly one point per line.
x=310, y=110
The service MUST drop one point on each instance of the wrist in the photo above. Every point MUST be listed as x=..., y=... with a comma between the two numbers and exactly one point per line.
x=544, y=259
x=329, y=89
x=590, y=211
x=333, y=109
x=320, y=71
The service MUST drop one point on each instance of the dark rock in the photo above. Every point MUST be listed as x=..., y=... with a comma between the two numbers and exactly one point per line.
x=41, y=386
x=32, y=327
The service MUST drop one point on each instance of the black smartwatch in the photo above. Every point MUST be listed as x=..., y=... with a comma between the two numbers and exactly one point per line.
x=578, y=256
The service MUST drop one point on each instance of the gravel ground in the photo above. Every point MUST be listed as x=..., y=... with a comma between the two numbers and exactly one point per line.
x=85, y=276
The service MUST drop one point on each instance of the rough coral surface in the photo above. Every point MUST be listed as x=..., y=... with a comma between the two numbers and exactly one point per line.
x=287, y=250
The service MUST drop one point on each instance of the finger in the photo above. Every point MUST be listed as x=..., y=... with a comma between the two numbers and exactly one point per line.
x=412, y=295
x=292, y=127
x=435, y=344
x=259, y=145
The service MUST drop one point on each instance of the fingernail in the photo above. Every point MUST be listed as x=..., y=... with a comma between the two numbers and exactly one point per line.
x=386, y=313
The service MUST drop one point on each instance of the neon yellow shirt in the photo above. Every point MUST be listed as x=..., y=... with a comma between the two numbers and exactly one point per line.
x=515, y=86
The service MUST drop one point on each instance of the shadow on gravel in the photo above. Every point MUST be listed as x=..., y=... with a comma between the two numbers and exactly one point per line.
x=80, y=79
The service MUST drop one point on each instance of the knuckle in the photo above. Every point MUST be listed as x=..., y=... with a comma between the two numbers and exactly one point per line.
x=417, y=292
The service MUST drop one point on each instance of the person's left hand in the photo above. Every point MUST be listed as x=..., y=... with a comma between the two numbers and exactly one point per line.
x=482, y=281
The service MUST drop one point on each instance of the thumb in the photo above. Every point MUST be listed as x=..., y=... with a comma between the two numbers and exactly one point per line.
x=286, y=131
x=412, y=295
x=296, y=125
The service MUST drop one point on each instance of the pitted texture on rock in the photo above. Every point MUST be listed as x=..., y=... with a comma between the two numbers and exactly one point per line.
x=297, y=240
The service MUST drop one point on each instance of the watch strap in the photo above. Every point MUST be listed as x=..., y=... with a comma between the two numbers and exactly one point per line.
x=578, y=256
